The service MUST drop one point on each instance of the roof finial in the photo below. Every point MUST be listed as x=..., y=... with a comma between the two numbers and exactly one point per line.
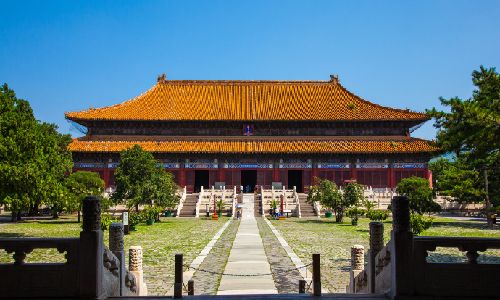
x=334, y=79
x=161, y=79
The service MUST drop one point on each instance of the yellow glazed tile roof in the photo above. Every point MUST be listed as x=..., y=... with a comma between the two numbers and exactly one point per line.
x=261, y=145
x=171, y=100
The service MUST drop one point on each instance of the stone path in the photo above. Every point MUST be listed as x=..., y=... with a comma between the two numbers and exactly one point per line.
x=208, y=277
x=247, y=257
x=287, y=282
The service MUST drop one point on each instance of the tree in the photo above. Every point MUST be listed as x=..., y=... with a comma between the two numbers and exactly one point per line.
x=133, y=176
x=420, y=194
x=329, y=195
x=472, y=128
x=139, y=181
x=79, y=185
x=33, y=157
x=458, y=180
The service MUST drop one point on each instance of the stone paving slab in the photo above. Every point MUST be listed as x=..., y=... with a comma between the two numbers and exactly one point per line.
x=248, y=258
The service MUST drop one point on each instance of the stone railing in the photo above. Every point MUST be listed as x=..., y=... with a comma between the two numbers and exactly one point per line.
x=181, y=202
x=468, y=279
x=375, y=278
x=25, y=280
x=227, y=195
x=290, y=198
x=234, y=201
x=91, y=270
x=401, y=269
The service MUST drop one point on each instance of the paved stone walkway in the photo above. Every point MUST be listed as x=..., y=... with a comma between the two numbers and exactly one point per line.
x=247, y=257
x=287, y=282
x=208, y=276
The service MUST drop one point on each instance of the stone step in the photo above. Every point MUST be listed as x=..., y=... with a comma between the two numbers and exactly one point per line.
x=266, y=296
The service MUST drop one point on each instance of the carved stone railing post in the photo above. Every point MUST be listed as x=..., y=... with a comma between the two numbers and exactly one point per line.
x=116, y=246
x=357, y=265
x=402, y=248
x=376, y=244
x=135, y=267
x=91, y=250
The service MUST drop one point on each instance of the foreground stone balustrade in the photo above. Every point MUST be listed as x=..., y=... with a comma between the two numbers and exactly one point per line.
x=92, y=271
x=400, y=269
x=469, y=279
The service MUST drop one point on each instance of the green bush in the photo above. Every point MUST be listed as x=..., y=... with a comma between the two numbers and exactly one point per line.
x=152, y=213
x=106, y=220
x=420, y=223
x=134, y=218
x=377, y=215
x=354, y=213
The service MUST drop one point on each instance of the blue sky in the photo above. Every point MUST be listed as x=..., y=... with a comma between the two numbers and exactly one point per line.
x=71, y=55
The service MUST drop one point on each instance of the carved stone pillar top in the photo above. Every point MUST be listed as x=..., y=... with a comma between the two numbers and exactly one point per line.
x=135, y=258
x=357, y=257
x=376, y=235
x=91, y=213
x=116, y=237
x=400, y=213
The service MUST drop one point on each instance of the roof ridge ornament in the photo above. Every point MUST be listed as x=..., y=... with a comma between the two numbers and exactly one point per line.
x=161, y=79
x=334, y=79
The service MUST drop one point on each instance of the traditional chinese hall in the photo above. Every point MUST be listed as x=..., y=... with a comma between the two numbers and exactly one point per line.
x=254, y=133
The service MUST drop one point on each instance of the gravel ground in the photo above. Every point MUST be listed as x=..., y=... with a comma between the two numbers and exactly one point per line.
x=286, y=282
x=207, y=281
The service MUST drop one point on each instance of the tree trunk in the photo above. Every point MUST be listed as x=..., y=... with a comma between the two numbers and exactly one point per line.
x=19, y=216
x=78, y=216
x=489, y=221
x=137, y=207
x=14, y=217
x=54, y=212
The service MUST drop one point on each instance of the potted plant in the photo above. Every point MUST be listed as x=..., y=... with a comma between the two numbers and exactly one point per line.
x=354, y=213
x=134, y=218
x=273, y=203
x=377, y=215
x=151, y=214
x=220, y=206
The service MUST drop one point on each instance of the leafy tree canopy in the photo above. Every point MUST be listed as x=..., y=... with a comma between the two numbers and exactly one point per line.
x=458, y=180
x=79, y=185
x=472, y=131
x=139, y=181
x=331, y=197
x=472, y=128
x=420, y=194
x=33, y=156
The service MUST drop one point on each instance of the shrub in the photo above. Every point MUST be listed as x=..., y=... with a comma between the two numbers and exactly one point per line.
x=420, y=223
x=152, y=213
x=106, y=220
x=135, y=218
x=377, y=215
x=354, y=213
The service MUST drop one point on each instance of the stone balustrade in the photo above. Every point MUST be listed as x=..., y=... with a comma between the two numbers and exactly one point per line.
x=181, y=203
x=400, y=268
x=91, y=270
x=468, y=279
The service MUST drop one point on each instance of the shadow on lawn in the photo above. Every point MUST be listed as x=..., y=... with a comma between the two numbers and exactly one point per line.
x=463, y=224
x=11, y=235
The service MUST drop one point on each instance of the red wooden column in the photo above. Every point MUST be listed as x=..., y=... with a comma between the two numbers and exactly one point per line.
x=106, y=175
x=353, y=172
x=276, y=173
x=221, y=173
x=182, y=177
x=392, y=175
